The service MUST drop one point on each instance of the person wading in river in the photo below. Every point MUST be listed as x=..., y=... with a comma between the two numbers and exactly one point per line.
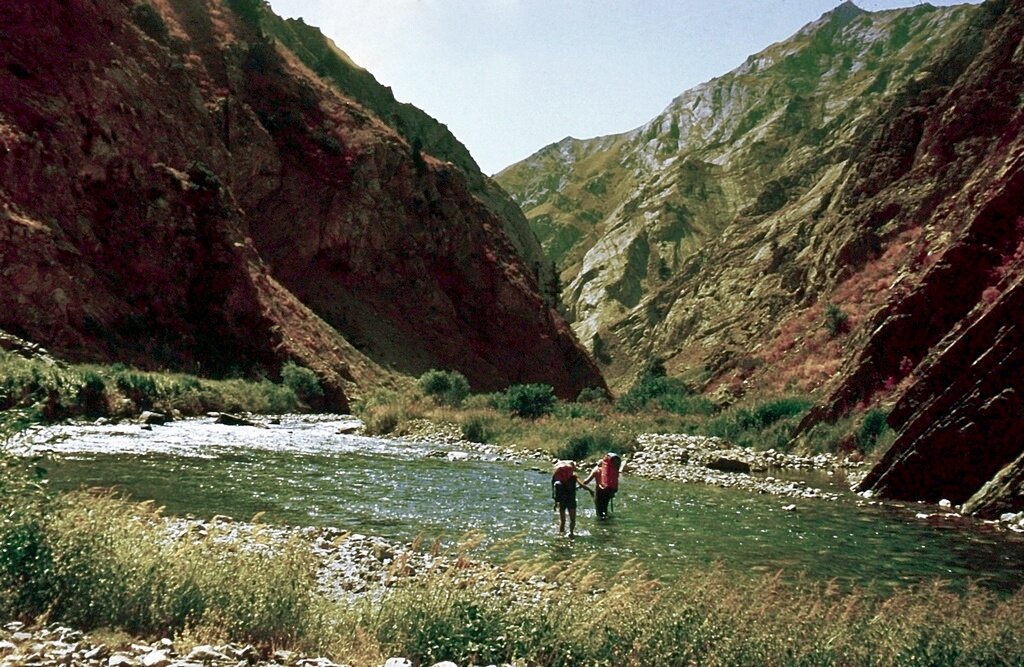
x=563, y=490
x=606, y=478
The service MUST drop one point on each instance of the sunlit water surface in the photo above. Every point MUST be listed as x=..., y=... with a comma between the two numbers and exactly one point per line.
x=302, y=472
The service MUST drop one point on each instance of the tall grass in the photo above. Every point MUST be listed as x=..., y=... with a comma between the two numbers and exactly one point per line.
x=111, y=564
x=57, y=391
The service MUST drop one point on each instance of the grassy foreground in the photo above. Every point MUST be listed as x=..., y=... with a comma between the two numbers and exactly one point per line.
x=99, y=562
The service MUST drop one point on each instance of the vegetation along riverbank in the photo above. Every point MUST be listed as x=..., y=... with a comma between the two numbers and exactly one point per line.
x=146, y=587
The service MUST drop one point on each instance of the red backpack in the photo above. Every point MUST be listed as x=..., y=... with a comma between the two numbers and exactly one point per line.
x=610, y=471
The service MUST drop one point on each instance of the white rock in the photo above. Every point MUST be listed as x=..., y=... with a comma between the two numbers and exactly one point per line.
x=156, y=659
x=120, y=660
x=945, y=503
x=7, y=647
x=397, y=662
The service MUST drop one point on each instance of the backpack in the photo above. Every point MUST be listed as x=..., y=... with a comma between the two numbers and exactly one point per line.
x=610, y=471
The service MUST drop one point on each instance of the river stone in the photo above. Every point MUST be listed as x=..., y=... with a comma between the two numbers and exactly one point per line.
x=446, y=663
x=233, y=420
x=120, y=660
x=725, y=464
x=96, y=653
x=156, y=659
x=397, y=662
x=153, y=418
x=204, y=653
x=7, y=647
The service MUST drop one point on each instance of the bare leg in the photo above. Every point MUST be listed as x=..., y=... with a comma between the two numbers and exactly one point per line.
x=561, y=518
x=572, y=522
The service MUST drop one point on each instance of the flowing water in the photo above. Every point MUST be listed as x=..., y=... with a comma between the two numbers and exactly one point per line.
x=302, y=472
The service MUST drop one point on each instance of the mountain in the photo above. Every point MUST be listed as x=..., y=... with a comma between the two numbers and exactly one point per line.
x=688, y=238
x=840, y=217
x=179, y=188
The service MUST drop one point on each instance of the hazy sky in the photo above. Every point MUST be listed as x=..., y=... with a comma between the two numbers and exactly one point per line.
x=511, y=76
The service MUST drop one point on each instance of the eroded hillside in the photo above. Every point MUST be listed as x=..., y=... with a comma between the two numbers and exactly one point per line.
x=179, y=189
x=694, y=236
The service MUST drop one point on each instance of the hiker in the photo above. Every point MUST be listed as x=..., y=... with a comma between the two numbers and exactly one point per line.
x=563, y=490
x=606, y=477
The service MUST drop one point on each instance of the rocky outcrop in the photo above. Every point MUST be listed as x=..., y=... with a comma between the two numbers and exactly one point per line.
x=178, y=189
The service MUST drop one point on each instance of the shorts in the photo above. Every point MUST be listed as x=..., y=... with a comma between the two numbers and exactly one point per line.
x=565, y=495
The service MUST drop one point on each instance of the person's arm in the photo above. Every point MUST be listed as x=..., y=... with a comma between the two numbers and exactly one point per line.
x=593, y=474
x=584, y=484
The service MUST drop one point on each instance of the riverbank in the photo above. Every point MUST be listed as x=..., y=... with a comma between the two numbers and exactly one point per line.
x=373, y=602
x=325, y=594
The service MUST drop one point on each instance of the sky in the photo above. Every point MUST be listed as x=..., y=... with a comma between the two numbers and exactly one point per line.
x=509, y=77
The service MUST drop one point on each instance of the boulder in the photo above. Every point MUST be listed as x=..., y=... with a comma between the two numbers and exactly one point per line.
x=152, y=417
x=726, y=464
x=233, y=420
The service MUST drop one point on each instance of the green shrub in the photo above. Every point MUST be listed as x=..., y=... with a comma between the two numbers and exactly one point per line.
x=201, y=177
x=382, y=421
x=765, y=425
x=836, y=321
x=139, y=387
x=448, y=387
x=580, y=447
x=25, y=559
x=477, y=429
x=529, y=401
x=303, y=382
x=592, y=395
x=91, y=398
x=872, y=426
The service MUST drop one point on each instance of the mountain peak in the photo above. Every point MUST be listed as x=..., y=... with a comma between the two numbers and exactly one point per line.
x=840, y=15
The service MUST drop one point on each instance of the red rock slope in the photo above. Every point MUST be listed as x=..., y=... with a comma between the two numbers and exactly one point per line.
x=177, y=190
x=948, y=346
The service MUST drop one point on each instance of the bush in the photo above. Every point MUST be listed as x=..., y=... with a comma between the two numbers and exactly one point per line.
x=248, y=10
x=448, y=387
x=303, y=382
x=530, y=401
x=836, y=321
x=592, y=395
x=769, y=424
x=91, y=397
x=872, y=426
x=139, y=387
x=580, y=447
x=670, y=394
x=477, y=429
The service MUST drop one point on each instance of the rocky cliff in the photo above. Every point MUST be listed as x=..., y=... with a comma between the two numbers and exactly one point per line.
x=179, y=189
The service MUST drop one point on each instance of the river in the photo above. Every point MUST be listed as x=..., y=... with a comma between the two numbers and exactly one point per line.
x=303, y=472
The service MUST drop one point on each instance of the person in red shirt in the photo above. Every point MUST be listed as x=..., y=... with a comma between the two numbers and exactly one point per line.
x=606, y=476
